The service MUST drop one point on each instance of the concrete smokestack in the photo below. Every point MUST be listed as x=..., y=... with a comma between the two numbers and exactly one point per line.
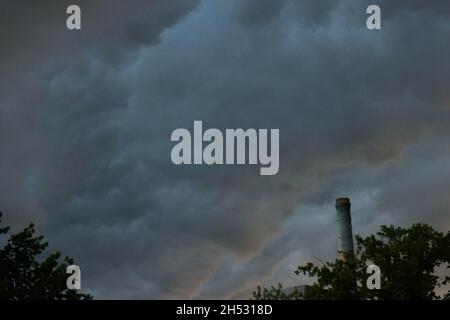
x=344, y=229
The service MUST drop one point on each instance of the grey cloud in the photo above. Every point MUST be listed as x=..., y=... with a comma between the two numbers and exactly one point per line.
x=86, y=124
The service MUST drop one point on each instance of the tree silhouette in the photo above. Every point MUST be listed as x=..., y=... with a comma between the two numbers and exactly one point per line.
x=24, y=276
x=407, y=257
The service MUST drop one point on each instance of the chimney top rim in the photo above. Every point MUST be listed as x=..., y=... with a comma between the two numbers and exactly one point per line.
x=342, y=200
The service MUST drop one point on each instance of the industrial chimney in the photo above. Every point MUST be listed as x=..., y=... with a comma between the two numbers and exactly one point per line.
x=344, y=229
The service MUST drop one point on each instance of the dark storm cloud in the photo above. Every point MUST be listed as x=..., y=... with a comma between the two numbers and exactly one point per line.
x=61, y=122
x=260, y=12
x=61, y=99
x=85, y=119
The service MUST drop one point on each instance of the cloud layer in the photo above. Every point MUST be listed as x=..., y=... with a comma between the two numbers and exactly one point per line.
x=86, y=117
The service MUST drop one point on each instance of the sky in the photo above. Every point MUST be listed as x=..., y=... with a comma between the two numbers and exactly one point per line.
x=86, y=118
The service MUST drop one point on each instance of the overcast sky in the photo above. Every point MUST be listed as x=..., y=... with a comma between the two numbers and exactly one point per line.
x=86, y=118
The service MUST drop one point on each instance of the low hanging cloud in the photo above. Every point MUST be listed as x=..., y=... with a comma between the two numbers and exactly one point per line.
x=86, y=117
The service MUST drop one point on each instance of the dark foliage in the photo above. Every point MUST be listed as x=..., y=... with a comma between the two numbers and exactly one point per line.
x=407, y=257
x=24, y=276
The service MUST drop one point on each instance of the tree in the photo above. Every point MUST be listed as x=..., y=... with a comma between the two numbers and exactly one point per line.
x=23, y=276
x=276, y=293
x=407, y=257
